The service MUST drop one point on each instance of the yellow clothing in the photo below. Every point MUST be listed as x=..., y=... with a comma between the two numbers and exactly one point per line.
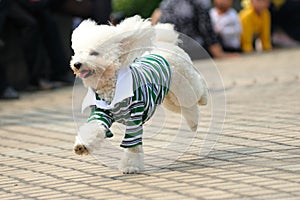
x=254, y=25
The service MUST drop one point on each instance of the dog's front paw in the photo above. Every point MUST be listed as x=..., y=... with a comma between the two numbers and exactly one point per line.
x=89, y=138
x=80, y=149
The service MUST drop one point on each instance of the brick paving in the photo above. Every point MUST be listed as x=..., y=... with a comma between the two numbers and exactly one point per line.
x=257, y=156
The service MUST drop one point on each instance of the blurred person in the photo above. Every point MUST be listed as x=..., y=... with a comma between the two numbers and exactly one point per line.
x=285, y=29
x=226, y=24
x=193, y=20
x=39, y=11
x=29, y=42
x=101, y=11
x=97, y=10
x=256, y=23
x=116, y=18
x=6, y=91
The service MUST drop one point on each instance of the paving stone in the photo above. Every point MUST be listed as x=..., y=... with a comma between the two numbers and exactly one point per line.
x=255, y=157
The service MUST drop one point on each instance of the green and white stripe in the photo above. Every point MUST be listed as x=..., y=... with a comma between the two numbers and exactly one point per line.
x=151, y=80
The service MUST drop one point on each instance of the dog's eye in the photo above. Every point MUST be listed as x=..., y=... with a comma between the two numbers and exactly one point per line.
x=94, y=53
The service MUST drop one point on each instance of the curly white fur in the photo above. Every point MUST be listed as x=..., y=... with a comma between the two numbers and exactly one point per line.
x=102, y=50
x=132, y=160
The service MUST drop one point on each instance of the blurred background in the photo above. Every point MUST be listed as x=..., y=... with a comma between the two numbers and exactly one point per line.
x=35, y=46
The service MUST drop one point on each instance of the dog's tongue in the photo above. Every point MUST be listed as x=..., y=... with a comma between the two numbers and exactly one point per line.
x=84, y=73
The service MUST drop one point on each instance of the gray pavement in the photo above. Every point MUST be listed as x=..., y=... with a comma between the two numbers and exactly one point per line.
x=257, y=156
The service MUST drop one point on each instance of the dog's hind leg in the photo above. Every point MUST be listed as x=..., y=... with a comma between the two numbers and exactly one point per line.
x=191, y=113
x=191, y=116
x=204, y=98
x=171, y=103
x=132, y=161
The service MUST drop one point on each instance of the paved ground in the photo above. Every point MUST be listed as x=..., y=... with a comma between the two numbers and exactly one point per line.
x=257, y=156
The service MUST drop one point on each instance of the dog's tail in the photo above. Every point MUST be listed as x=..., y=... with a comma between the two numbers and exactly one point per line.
x=135, y=36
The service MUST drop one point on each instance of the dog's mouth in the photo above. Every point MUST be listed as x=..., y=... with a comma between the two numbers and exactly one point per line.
x=85, y=73
x=82, y=73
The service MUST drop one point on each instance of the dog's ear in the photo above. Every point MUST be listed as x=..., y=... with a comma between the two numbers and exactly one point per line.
x=90, y=35
x=78, y=38
x=136, y=37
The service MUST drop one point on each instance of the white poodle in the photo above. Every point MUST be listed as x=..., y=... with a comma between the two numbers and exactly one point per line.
x=128, y=70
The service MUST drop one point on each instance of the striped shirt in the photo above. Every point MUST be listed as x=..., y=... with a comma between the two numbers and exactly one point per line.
x=151, y=76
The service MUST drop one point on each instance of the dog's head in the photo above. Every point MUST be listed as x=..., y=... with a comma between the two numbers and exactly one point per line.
x=94, y=51
x=101, y=50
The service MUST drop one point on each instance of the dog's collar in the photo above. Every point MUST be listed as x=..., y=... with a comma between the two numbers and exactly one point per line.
x=124, y=89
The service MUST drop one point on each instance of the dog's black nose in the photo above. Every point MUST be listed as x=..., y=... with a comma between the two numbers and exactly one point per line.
x=77, y=65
